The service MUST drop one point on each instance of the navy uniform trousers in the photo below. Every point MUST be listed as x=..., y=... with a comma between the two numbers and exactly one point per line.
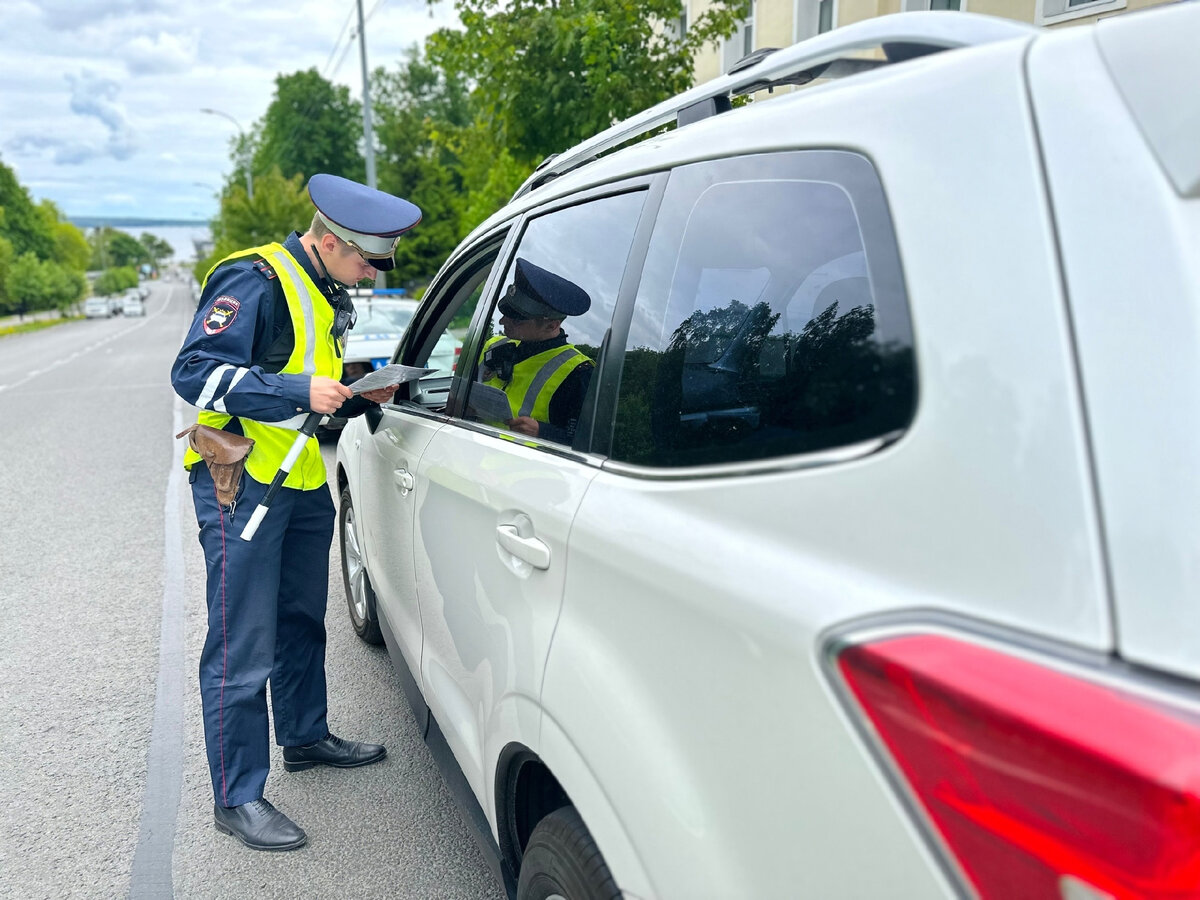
x=266, y=622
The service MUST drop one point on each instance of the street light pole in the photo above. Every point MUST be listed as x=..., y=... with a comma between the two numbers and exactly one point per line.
x=245, y=147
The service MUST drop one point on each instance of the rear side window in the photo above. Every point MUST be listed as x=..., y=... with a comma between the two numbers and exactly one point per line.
x=771, y=317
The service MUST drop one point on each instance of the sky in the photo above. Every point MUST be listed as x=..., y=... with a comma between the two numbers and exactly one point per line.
x=100, y=100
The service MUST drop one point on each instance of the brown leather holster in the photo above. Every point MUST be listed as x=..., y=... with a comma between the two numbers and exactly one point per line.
x=225, y=455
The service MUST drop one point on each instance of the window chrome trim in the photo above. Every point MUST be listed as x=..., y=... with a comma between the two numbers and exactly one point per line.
x=508, y=438
x=816, y=459
x=408, y=407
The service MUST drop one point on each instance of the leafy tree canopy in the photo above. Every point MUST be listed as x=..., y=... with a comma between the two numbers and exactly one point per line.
x=280, y=206
x=113, y=281
x=311, y=126
x=71, y=248
x=549, y=73
x=34, y=284
x=112, y=248
x=157, y=249
x=22, y=223
x=415, y=104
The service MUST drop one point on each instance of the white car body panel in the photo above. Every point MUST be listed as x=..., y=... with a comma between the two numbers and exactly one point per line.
x=1131, y=249
x=666, y=665
x=487, y=615
x=388, y=460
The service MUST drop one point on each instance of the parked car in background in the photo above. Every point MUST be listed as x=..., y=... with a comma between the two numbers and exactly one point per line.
x=871, y=570
x=97, y=308
x=377, y=330
x=116, y=304
x=133, y=304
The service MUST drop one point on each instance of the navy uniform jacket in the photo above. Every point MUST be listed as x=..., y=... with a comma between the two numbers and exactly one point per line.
x=241, y=342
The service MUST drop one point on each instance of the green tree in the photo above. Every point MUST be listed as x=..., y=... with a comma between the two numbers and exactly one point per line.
x=280, y=206
x=113, y=281
x=35, y=284
x=7, y=256
x=157, y=249
x=112, y=248
x=549, y=73
x=22, y=223
x=71, y=247
x=415, y=105
x=311, y=126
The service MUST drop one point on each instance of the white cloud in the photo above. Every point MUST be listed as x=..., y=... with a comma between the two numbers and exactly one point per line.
x=160, y=53
x=100, y=99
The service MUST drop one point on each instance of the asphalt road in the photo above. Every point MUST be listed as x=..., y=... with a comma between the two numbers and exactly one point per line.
x=103, y=779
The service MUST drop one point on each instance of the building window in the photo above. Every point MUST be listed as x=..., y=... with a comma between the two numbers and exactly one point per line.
x=935, y=5
x=677, y=28
x=738, y=44
x=1051, y=12
x=825, y=17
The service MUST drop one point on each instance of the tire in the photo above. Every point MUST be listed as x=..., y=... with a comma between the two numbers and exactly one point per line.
x=360, y=596
x=562, y=861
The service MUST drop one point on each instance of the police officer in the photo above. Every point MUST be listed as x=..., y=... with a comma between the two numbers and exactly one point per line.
x=544, y=377
x=263, y=351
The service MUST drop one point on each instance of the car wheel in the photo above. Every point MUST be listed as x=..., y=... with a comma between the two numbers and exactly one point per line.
x=360, y=596
x=562, y=862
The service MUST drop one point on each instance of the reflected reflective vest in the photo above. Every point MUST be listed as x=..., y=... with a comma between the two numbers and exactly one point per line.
x=314, y=353
x=535, y=380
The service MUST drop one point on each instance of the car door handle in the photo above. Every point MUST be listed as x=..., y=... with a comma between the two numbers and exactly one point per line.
x=404, y=479
x=530, y=549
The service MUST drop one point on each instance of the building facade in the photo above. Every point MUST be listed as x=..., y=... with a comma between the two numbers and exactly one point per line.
x=780, y=23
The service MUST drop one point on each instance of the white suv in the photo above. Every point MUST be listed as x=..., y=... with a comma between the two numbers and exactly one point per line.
x=872, y=568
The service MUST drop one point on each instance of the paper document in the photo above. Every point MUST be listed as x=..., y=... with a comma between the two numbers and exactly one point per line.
x=387, y=376
x=489, y=403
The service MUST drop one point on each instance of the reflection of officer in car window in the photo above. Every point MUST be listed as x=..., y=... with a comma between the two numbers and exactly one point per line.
x=544, y=377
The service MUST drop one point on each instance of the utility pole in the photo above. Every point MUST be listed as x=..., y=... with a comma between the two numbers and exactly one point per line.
x=368, y=128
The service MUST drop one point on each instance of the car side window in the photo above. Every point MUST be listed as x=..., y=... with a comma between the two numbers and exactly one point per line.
x=540, y=345
x=771, y=317
x=447, y=313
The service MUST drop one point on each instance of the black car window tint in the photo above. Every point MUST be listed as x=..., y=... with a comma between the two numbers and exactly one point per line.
x=771, y=317
x=587, y=244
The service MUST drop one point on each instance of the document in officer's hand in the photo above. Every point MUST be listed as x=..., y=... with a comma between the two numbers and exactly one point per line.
x=489, y=403
x=387, y=376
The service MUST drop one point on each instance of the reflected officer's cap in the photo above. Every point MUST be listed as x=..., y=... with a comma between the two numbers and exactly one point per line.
x=368, y=220
x=538, y=294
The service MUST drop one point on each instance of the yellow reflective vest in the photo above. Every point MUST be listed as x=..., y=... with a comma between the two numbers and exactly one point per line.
x=315, y=353
x=534, y=380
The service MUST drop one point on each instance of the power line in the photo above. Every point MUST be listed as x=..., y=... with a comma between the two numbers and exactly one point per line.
x=312, y=105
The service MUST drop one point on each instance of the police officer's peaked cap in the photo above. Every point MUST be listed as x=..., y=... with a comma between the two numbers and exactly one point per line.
x=369, y=220
x=538, y=293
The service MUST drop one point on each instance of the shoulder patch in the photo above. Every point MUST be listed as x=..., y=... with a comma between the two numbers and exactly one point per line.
x=221, y=314
x=265, y=268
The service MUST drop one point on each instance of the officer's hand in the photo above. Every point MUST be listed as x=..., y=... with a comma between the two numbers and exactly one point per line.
x=380, y=395
x=326, y=396
x=524, y=424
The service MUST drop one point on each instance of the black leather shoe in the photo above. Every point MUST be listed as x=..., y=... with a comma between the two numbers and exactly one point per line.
x=259, y=826
x=332, y=751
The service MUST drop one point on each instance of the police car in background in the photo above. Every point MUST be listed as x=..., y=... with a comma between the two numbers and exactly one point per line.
x=381, y=317
x=872, y=569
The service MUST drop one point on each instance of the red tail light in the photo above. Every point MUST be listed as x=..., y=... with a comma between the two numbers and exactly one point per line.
x=457, y=354
x=1035, y=778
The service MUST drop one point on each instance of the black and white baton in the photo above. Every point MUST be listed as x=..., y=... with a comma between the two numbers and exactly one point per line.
x=307, y=430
